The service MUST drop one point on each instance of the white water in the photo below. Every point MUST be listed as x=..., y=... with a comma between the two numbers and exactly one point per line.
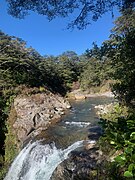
x=37, y=161
x=79, y=124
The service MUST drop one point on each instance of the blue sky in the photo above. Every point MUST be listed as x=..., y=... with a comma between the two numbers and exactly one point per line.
x=52, y=38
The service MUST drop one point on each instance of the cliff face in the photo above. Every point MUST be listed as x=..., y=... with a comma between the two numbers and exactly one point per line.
x=36, y=112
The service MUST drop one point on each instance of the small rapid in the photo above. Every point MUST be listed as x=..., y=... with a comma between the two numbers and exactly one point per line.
x=37, y=161
x=79, y=124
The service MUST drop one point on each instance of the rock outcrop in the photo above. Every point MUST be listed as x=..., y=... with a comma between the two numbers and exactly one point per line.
x=36, y=112
x=82, y=164
x=76, y=95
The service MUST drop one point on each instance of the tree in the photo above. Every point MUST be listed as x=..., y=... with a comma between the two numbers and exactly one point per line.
x=100, y=55
x=96, y=52
x=68, y=67
x=91, y=77
x=86, y=10
x=24, y=66
x=122, y=54
x=125, y=23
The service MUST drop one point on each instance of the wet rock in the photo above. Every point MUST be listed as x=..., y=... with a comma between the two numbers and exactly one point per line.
x=62, y=173
x=95, y=132
x=80, y=165
x=89, y=146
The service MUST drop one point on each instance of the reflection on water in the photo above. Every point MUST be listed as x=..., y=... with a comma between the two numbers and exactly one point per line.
x=75, y=125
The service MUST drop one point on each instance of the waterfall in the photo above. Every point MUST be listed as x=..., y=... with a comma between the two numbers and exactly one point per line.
x=37, y=161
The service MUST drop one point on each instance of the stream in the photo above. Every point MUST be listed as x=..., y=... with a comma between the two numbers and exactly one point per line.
x=40, y=157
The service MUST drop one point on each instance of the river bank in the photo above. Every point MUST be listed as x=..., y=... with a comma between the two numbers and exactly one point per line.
x=79, y=94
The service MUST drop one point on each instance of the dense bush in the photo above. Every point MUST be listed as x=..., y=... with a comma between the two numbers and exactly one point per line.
x=120, y=134
x=119, y=125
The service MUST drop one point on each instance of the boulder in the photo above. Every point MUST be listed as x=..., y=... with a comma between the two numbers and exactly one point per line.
x=76, y=94
x=80, y=96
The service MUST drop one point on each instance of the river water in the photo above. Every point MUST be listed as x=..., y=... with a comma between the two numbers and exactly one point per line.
x=39, y=158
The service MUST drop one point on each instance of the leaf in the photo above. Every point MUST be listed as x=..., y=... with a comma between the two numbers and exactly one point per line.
x=127, y=142
x=120, y=158
x=112, y=142
x=133, y=157
x=131, y=167
x=128, y=150
x=7, y=103
x=128, y=174
x=132, y=135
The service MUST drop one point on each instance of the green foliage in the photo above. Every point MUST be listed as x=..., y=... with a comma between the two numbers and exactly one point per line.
x=11, y=148
x=3, y=171
x=125, y=23
x=119, y=123
x=20, y=65
x=127, y=158
x=91, y=76
x=114, y=112
x=88, y=10
x=122, y=55
x=97, y=68
x=6, y=100
x=120, y=134
x=119, y=129
x=68, y=65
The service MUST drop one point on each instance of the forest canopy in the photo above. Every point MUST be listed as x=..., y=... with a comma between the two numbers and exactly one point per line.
x=85, y=10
